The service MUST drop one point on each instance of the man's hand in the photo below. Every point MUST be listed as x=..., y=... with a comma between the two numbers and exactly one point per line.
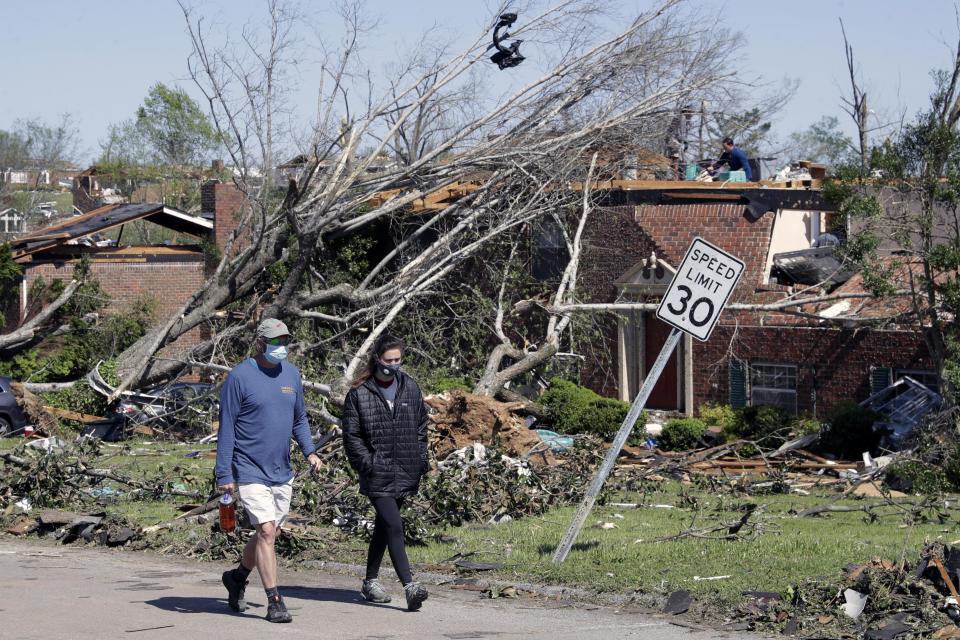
x=315, y=462
x=229, y=487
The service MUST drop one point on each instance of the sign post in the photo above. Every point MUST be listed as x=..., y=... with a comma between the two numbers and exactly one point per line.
x=692, y=304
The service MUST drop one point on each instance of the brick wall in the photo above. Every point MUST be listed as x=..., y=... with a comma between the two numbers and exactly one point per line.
x=673, y=227
x=612, y=244
x=832, y=363
x=226, y=203
x=169, y=283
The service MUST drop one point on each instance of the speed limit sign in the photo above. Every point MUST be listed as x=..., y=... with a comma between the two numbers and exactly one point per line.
x=700, y=289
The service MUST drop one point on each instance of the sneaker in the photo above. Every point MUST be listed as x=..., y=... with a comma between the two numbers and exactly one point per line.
x=277, y=611
x=235, y=591
x=416, y=593
x=373, y=591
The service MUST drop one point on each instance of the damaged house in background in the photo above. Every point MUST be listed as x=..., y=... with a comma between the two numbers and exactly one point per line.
x=764, y=352
x=170, y=273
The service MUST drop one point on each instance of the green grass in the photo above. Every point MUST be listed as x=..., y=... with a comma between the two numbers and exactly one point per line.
x=789, y=550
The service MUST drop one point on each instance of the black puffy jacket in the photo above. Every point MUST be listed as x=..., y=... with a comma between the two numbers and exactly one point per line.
x=387, y=448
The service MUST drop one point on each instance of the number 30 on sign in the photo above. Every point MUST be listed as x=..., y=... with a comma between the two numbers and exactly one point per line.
x=700, y=289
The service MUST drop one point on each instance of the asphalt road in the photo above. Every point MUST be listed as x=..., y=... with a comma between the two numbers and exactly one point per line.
x=49, y=591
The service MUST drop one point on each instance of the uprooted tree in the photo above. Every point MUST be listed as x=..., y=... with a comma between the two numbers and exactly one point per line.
x=509, y=161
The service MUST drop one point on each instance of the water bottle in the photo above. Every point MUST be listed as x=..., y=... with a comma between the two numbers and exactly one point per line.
x=228, y=513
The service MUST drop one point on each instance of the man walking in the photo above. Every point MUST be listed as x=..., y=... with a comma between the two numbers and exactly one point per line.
x=261, y=407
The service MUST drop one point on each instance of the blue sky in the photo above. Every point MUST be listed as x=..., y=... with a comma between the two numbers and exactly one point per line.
x=97, y=60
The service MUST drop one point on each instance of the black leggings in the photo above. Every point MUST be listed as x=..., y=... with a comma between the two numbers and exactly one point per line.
x=388, y=534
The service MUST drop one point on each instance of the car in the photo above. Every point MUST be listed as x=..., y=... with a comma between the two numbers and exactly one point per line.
x=12, y=419
x=169, y=406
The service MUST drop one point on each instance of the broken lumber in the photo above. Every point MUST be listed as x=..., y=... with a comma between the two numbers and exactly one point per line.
x=72, y=415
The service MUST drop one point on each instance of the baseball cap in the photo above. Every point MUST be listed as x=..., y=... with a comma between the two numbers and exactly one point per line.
x=271, y=328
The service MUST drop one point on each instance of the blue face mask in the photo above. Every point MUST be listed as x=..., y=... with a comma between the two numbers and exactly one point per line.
x=276, y=355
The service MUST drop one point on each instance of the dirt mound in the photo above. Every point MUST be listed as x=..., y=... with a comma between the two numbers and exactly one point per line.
x=461, y=418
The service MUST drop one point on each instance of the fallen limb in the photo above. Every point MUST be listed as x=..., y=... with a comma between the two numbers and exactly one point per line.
x=27, y=331
x=841, y=508
x=740, y=529
x=104, y=474
x=210, y=505
x=48, y=387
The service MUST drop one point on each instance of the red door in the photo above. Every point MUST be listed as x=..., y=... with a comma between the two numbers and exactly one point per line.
x=664, y=394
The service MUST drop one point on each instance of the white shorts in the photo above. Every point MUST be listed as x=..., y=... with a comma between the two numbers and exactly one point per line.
x=266, y=504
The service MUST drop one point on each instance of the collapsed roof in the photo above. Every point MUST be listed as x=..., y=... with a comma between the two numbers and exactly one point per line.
x=108, y=217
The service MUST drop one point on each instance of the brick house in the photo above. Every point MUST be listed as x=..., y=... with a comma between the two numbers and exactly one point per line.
x=804, y=365
x=169, y=273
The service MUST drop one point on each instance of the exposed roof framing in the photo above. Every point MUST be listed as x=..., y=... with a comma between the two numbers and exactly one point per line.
x=108, y=217
x=758, y=197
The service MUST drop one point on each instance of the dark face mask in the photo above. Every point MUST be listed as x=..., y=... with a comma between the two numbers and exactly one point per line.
x=389, y=370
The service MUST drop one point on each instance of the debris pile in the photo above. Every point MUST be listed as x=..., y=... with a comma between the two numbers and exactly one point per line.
x=461, y=419
x=478, y=482
x=878, y=599
x=67, y=527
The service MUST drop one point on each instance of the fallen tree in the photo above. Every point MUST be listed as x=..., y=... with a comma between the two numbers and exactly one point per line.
x=445, y=183
x=27, y=331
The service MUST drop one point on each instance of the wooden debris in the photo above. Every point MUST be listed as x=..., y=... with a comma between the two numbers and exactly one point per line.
x=23, y=525
x=72, y=415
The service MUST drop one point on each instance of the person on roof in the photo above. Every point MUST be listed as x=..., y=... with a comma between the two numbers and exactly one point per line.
x=735, y=158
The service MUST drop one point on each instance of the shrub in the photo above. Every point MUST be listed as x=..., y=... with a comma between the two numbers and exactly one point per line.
x=80, y=398
x=718, y=415
x=604, y=417
x=565, y=403
x=805, y=425
x=926, y=478
x=951, y=468
x=439, y=385
x=574, y=409
x=763, y=424
x=681, y=434
x=851, y=431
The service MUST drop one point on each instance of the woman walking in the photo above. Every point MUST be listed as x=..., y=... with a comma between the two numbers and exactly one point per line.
x=385, y=437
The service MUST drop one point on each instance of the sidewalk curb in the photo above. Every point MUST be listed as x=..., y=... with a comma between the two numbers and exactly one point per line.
x=649, y=603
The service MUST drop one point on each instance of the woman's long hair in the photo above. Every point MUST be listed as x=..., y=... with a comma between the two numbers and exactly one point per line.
x=384, y=343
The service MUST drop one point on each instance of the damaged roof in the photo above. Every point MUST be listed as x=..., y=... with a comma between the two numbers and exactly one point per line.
x=813, y=266
x=108, y=217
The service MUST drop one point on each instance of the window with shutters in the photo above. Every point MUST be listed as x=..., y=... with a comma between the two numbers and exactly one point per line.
x=880, y=379
x=738, y=383
x=774, y=384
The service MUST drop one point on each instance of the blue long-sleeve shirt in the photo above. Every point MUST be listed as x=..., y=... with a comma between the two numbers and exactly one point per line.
x=260, y=409
x=737, y=160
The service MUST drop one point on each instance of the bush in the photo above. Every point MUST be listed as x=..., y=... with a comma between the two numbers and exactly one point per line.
x=926, y=478
x=951, y=468
x=718, y=415
x=604, y=417
x=763, y=424
x=850, y=431
x=439, y=385
x=574, y=409
x=681, y=434
x=80, y=398
x=805, y=425
x=565, y=403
